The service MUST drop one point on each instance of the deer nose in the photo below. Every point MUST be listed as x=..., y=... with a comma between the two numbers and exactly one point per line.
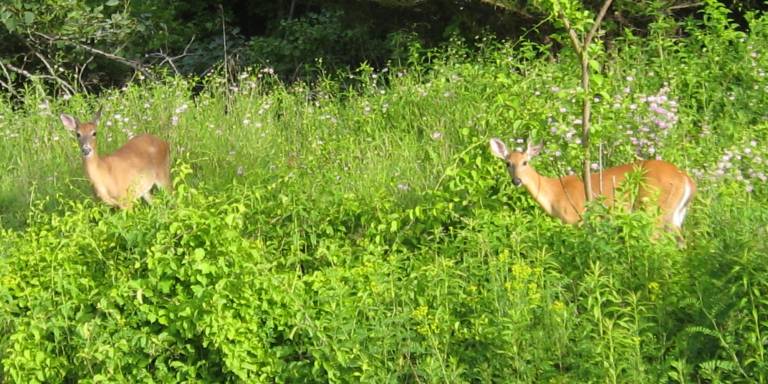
x=86, y=150
x=516, y=181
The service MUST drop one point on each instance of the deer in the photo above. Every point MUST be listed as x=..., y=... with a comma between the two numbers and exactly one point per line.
x=662, y=184
x=120, y=178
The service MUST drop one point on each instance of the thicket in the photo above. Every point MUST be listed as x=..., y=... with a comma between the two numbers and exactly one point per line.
x=74, y=46
x=362, y=231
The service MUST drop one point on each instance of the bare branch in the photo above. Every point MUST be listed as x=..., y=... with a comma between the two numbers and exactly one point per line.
x=170, y=59
x=9, y=84
x=131, y=63
x=598, y=21
x=684, y=6
x=572, y=34
x=27, y=74
x=82, y=71
x=67, y=87
x=22, y=71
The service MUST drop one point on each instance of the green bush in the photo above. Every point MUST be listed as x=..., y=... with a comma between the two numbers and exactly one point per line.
x=327, y=233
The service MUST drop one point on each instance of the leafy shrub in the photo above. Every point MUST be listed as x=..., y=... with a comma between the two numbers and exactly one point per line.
x=315, y=41
x=348, y=234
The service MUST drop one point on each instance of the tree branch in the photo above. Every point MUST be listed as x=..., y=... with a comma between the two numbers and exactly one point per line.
x=81, y=71
x=67, y=87
x=577, y=44
x=29, y=75
x=9, y=84
x=170, y=59
x=131, y=63
x=598, y=21
x=684, y=6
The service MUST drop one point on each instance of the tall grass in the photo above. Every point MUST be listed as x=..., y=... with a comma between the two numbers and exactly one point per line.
x=360, y=231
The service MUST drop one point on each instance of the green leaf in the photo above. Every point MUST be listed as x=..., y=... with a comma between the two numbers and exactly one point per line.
x=29, y=18
x=594, y=65
x=598, y=80
x=112, y=3
x=10, y=23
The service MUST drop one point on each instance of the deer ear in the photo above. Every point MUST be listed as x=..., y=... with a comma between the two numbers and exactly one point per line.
x=534, y=150
x=499, y=149
x=96, y=117
x=69, y=122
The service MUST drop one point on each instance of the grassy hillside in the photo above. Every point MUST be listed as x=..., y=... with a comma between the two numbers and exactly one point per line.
x=361, y=231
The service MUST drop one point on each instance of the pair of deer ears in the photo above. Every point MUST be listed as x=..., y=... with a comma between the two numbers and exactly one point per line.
x=499, y=149
x=71, y=122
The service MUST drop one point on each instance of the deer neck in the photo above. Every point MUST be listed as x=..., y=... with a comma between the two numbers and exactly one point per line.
x=542, y=189
x=93, y=166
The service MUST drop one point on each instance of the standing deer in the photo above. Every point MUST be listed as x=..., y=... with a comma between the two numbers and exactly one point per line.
x=662, y=185
x=127, y=174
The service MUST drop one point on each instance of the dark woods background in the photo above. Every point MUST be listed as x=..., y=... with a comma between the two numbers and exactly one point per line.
x=81, y=45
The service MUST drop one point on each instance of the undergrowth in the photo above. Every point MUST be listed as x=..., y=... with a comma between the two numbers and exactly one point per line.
x=362, y=232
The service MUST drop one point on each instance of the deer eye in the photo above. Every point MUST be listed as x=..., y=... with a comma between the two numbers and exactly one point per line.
x=94, y=133
x=525, y=163
x=78, y=134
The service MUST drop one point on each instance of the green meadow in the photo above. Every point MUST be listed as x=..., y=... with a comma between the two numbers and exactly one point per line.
x=358, y=228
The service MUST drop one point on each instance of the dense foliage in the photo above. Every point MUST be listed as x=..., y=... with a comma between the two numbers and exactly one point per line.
x=360, y=231
x=73, y=46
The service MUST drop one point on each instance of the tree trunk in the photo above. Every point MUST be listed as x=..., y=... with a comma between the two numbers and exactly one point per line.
x=585, y=122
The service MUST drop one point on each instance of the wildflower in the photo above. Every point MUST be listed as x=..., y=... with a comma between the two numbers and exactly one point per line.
x=436, y=135
x=403, y=187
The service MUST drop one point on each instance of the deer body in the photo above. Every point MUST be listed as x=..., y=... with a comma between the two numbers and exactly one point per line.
x=663, y=185
x=127, y=174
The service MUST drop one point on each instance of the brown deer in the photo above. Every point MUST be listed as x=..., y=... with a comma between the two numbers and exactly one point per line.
x=670, y=189
x=128, y=173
